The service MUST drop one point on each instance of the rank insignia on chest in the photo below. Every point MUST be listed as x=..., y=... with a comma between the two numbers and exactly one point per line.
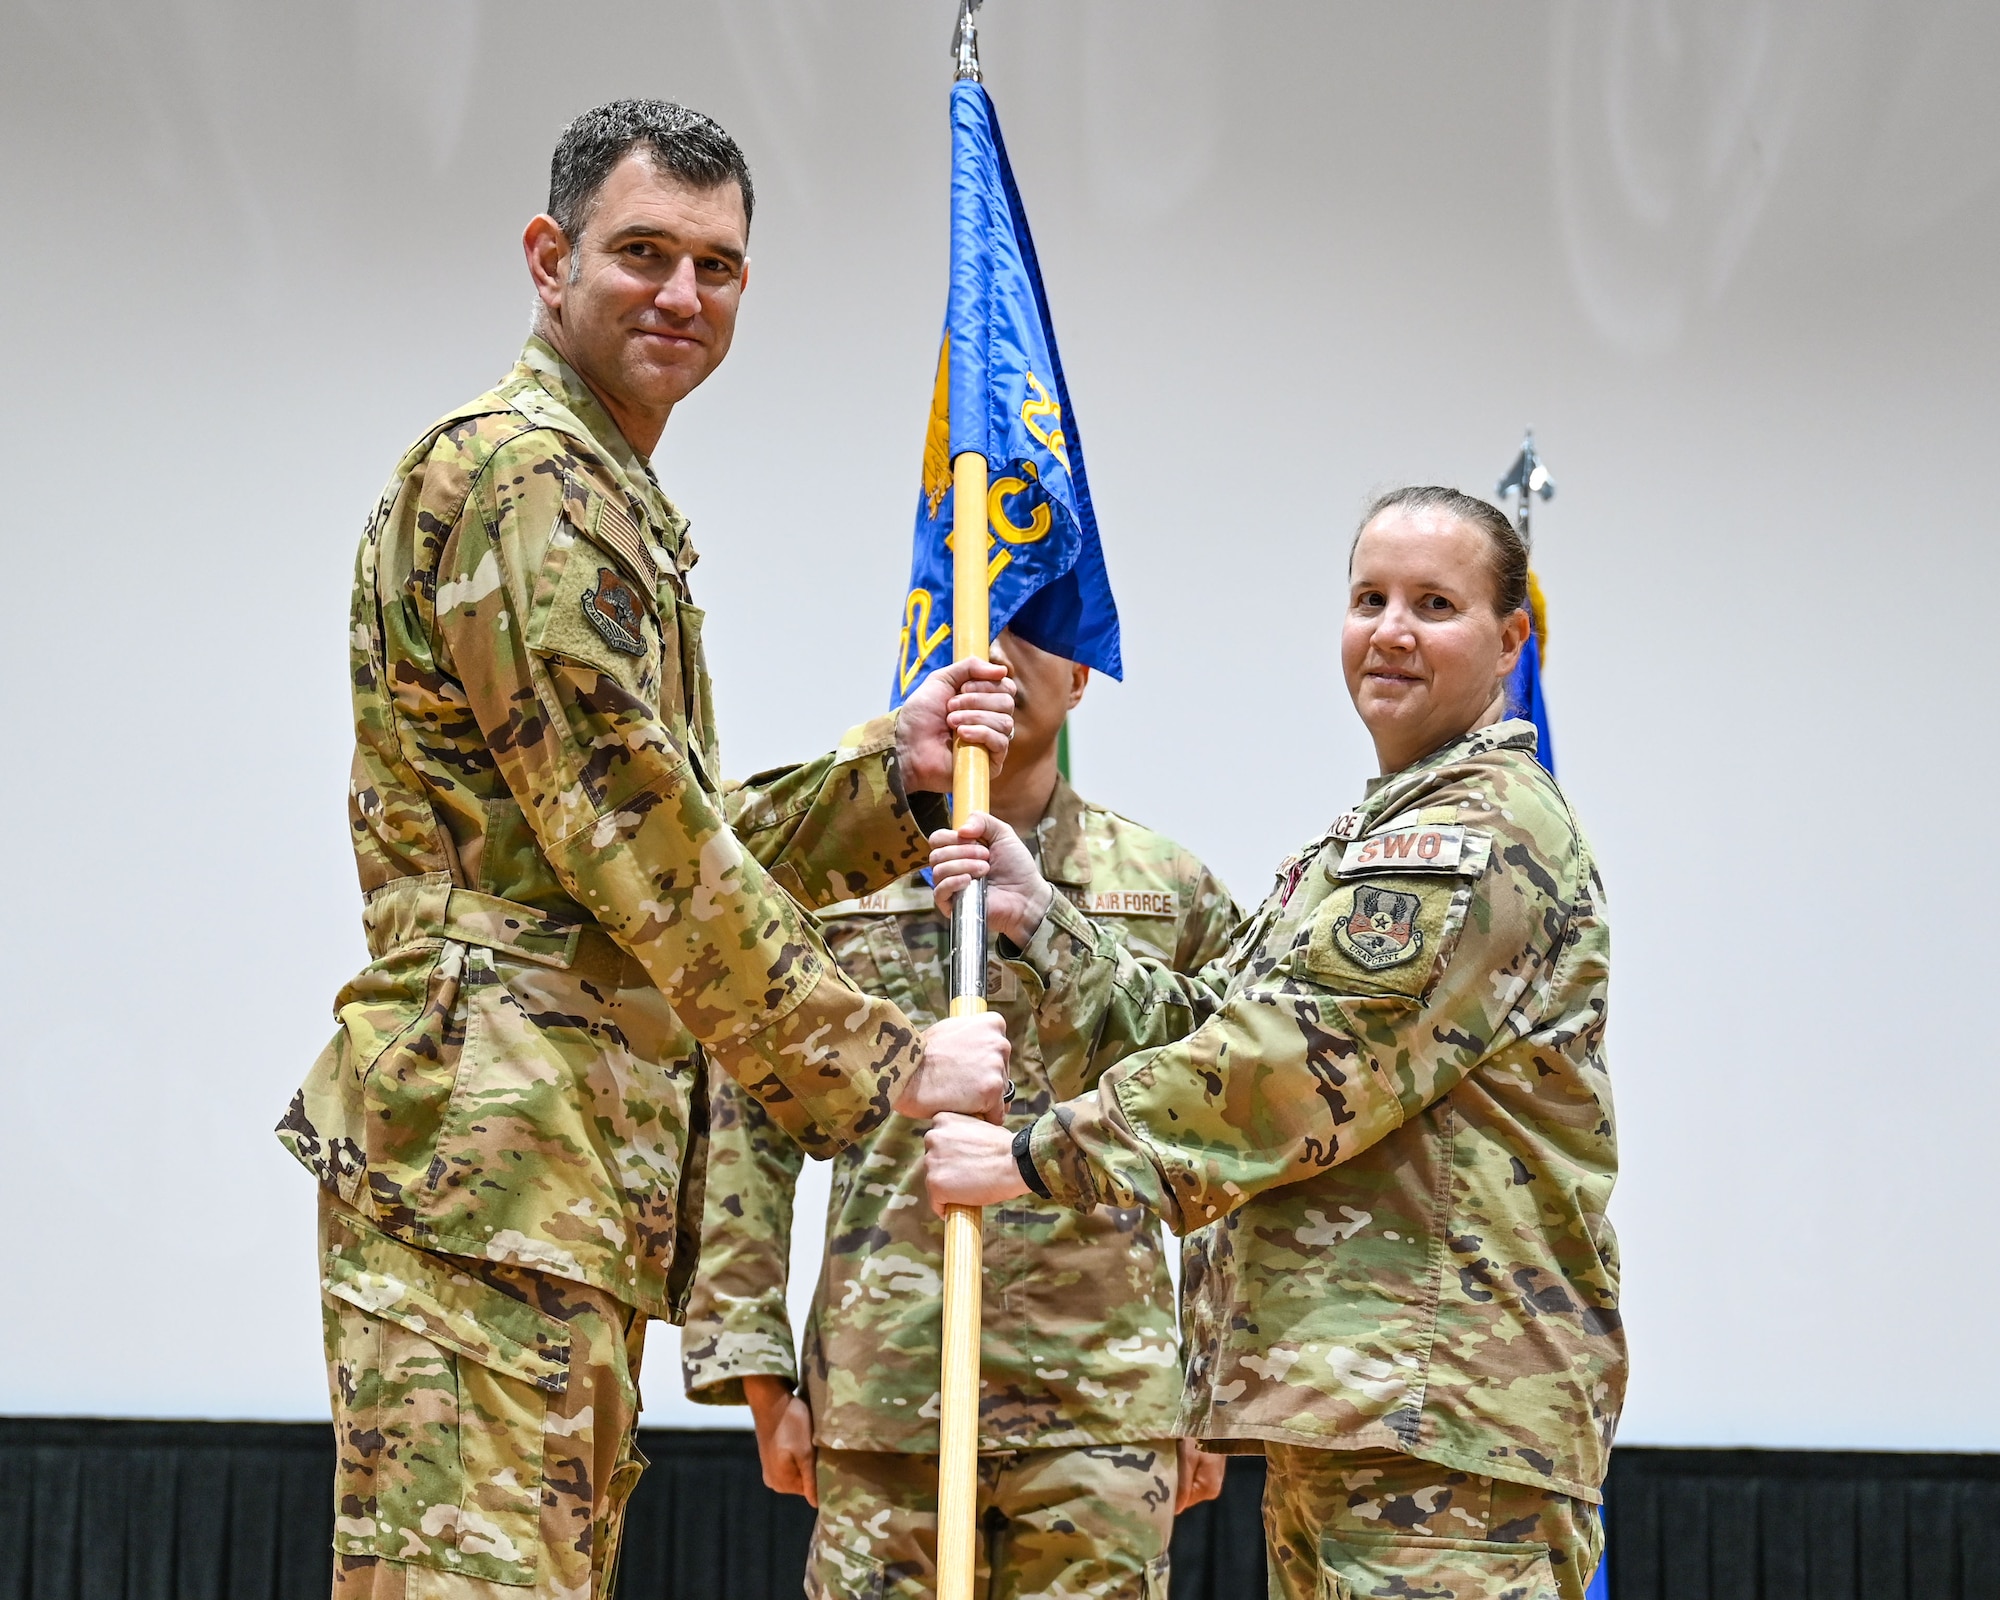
x=612, y=608
x=1380, y=929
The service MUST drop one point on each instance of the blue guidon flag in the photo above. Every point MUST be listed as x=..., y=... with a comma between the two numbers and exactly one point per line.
x=1000, y=392
x=1524, y=684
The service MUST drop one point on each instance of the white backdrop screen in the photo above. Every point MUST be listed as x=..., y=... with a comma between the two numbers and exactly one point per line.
x=1735, y=263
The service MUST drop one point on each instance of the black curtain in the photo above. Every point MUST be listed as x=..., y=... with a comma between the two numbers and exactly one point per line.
x=1811, y=1524
x=94, y=1510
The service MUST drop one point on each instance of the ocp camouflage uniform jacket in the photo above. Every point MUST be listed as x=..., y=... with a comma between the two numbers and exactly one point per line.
x=1078, y=1342
x=1392, y=1098
x=569, y=915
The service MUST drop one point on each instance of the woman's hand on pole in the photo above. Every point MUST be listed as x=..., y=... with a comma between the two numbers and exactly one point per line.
x=1017, y=895
x=968, y=1162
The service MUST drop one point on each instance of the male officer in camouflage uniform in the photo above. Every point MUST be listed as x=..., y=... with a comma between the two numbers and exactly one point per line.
x=571, y=920
x=1388, y=1110
x=1080, y=1475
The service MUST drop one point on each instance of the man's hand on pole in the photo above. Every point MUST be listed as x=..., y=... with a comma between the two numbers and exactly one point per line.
x=964, y=1070
x=1017, y=895
x=971, y=702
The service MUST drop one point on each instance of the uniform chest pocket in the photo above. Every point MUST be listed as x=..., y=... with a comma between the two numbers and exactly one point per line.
x=1394, y=913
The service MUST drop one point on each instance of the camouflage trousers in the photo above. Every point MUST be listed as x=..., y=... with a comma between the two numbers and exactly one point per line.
x=483, y=1421
x=1061, y=1524
x=1357, y=1524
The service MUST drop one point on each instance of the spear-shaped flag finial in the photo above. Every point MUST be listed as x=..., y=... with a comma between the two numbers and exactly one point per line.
x=1526, y=478
x=965, y=44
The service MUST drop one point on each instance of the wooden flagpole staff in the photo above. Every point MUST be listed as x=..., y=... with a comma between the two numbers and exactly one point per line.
x=958, y=1400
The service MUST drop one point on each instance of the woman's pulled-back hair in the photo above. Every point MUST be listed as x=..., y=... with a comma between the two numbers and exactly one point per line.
x=1509, y=555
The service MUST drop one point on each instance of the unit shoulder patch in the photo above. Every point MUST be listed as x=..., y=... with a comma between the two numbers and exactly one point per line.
x=1387, y=938
x=1380, y=929
x=614, y=609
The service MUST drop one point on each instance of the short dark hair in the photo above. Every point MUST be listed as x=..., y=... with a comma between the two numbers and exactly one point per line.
x=1507, y=554
x=690, y=146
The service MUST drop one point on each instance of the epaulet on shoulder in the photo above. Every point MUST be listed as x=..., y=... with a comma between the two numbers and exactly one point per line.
x=1114, y=816
x=461, y=428
x=1522, y=768
x=1118, y=818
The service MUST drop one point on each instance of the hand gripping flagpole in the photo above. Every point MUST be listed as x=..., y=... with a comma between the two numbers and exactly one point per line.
x=958, y=1397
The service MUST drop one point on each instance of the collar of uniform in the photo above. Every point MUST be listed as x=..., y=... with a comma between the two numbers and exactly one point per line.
x=1065, y=850
x=561, y=399
x=1393, y=791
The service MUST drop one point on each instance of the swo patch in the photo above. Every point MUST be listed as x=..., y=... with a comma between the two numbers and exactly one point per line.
x=1413, y=849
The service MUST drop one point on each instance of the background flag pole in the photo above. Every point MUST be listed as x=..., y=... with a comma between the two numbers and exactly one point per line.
x=1528, y=480
x=958, y=1398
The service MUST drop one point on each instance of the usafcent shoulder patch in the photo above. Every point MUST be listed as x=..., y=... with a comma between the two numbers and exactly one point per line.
x=1380, y=929
x=1385, y=937
x=613, y=609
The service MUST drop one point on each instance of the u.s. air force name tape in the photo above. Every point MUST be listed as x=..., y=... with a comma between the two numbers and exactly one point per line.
x=1134, y=903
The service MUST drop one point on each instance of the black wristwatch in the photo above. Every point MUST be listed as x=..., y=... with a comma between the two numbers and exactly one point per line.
x=1025, y=1163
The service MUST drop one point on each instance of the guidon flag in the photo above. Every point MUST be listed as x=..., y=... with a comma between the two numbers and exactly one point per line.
x=1000, y=392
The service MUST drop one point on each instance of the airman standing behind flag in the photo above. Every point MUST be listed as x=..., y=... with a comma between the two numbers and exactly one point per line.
x=1081, y=1380
x=572, y=921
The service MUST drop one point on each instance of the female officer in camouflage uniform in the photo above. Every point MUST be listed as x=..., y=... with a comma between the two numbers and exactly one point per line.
x=1391, y=1094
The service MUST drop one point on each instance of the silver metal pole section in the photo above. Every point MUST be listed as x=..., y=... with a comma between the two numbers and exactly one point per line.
x=968, y=942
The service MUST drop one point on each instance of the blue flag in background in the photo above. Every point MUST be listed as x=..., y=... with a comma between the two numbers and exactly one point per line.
x=1000, y=392
x=1524, y=685
x=1524, y=699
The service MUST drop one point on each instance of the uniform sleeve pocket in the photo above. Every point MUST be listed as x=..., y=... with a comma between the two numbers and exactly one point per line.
x=1391, y=933
x=590, y=608
x=1386, y=936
